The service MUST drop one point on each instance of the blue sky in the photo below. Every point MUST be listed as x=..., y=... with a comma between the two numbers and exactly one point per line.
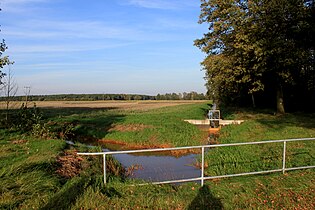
x=104, y=46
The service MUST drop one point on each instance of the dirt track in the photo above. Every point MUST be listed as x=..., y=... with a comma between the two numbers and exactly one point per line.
x=129, y=105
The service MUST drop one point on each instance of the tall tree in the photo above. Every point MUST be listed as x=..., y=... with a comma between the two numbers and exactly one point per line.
x=254, y=45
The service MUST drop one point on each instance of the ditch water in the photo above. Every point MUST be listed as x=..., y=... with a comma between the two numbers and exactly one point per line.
x=157, y=166
x=151, y=167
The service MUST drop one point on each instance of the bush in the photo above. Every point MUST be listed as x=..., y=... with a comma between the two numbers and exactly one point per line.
x=26, y=118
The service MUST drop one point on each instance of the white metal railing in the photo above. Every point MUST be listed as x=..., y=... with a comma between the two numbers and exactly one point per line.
x=202, y=147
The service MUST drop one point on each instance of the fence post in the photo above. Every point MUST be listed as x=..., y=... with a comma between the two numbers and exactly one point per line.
x=104, y=168
x=202, y=164
x=283, y=160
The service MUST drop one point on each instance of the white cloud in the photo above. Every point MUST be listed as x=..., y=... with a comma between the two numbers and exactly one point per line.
x=164, y=4
x=49, y=48
x=60, y=31
x=18, y=6
x=67, y=29
x=21, y=1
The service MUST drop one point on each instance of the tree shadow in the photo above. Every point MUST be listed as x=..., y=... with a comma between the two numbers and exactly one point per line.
x=67, y=196
x=52, y=112
x=80, y=123
x=297, y=120
x=48, y=168
x=205, y=200
x=96, y=127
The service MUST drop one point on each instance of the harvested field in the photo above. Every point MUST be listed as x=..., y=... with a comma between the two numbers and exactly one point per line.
x=126, y=105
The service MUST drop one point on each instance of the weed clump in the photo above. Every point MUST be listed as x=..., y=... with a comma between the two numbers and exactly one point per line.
x=69, y=164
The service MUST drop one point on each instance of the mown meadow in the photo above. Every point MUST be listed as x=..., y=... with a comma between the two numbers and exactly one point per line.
x=39, y=170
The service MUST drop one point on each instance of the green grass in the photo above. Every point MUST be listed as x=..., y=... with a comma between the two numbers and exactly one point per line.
x=28, y=168
x=163, y=126
x=27, y=171
x=260, y=127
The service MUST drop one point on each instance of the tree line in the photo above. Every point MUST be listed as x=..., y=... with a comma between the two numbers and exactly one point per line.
x=260, y=53
x=97, y=97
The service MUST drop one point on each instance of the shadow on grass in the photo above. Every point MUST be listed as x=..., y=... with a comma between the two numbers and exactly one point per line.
x=205, y=200
x=83, y=124
x=48, y=168
x=68, y=111
x=96, y=127
x=293, y=120
x=67, y=196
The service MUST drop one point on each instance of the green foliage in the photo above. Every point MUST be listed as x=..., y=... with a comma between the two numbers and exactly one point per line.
x=181, y=96
x=26, y=118
x=256, y=48
x=22, y=119
x=105, y=97
x=41, y=130
x=3, y=60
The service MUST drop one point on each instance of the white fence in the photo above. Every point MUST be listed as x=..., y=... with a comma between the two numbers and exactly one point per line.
x=202, y=147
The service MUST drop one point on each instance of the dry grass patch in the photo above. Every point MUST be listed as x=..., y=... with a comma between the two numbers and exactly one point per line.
x=132, y=146
x=19, y=141
x=130, y=127
x=69, y=164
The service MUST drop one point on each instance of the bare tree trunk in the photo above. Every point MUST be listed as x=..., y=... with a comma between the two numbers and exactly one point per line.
x=10, y=91
x=253, y=100
x=280, y=101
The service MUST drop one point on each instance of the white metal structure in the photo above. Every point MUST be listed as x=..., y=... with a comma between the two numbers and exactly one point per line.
x=202, y=147
x=214, y=117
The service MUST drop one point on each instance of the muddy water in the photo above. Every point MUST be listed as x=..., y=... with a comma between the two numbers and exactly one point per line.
x=203, y=127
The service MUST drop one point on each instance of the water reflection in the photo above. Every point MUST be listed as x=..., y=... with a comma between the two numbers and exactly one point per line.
x=160, y=168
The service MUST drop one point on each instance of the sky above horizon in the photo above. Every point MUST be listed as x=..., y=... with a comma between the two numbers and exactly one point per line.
x=104, y=46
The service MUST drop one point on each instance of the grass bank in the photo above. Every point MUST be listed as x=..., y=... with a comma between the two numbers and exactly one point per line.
x=136, y=127
x=259, y=127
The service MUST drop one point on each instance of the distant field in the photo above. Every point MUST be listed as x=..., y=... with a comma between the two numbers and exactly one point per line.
x=128, y=105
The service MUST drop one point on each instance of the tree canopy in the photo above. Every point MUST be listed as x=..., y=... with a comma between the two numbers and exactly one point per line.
x=259, y=52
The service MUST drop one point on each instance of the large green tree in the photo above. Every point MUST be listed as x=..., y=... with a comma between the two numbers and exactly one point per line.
x=255, y=46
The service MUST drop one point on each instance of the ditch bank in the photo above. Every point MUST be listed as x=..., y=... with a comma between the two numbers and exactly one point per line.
x=161, y=166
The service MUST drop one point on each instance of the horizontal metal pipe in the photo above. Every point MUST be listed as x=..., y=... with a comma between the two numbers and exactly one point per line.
x=207, y=146
x=224, y=176
x=173, y=181
x=301, y=167
x=243, y=174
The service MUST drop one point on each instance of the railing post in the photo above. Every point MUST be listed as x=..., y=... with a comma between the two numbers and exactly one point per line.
x=104, y=168
x=283, y=158
x=202, y=164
